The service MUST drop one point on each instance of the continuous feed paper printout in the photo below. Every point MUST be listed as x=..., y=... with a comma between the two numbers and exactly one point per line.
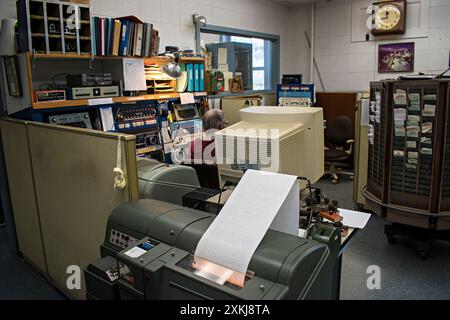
x=261, y=200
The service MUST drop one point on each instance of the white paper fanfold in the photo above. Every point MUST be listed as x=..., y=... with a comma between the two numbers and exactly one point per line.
x=261, y=200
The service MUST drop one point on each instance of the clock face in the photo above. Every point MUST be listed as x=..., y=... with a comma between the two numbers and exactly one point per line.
x=387, y=17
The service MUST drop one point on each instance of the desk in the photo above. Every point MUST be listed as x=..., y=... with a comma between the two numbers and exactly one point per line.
x=336, y=288
x=336, y=272
x=338, y=267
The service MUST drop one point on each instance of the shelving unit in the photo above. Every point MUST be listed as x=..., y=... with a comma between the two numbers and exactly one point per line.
x=33, y=58
x=85, y=102
x=408, y=153
x=54, y=27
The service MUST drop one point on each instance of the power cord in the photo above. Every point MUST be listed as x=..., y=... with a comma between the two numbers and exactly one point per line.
x=442, y=74
x=227, y=183
x=120, y=181
x=312, y=207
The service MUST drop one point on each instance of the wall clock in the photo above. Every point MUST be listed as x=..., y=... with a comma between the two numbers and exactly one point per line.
x=389, y=17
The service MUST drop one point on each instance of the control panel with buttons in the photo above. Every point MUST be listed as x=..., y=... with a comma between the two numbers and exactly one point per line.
x=80, y=120
x=131, y=117
x=295, y=102
x=121, y=239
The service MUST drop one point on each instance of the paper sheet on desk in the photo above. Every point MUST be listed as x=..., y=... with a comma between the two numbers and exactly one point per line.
x=107, y=119
x=354, y=219
x=261, y=200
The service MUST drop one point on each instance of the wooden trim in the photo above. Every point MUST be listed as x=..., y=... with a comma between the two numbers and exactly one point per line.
x=130, y=153
x=30, y=76
x=158, y=59
x=85, y=102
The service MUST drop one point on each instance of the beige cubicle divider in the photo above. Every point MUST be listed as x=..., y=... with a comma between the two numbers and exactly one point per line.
x=73, y=185
x=233, y=104
x=21, y=189
x=361, y=153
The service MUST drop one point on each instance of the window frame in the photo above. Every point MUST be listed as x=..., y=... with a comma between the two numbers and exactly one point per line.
x=272, y=56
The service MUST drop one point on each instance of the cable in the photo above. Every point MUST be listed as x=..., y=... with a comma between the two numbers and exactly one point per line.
x=120, y=181
x=58, y=75
x=442, y=74
x=220, y=196
x=310, y=197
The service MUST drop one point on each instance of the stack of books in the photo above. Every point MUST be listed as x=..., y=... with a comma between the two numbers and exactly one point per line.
x=126, y=36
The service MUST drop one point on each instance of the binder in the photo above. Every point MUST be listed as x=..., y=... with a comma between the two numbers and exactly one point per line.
x=139, y=34
x=144, y=39
x=131, y=39
x=148, y=40
x=202, y=77
x=96, y=35
x=102, y=36
x=123, y=34
x=190, y=73
x=196, y=77
x=117, y=34
x=123, y=39
x=109, y=26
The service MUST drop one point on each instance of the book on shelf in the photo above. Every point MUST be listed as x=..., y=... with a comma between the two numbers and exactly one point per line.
x=124, y=36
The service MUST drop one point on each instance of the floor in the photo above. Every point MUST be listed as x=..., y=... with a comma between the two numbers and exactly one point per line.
x=403, y=274
x=19, y=280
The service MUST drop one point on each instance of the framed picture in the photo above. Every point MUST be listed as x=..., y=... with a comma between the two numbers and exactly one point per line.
x=12, y=72
x=236, y=84
x=396, y=57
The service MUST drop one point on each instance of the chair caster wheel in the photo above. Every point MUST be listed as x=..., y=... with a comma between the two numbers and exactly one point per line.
x=392, y=240
x=334, y=181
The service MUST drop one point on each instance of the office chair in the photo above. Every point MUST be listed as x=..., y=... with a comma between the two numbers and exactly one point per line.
x=339, y=134
x=208, y=175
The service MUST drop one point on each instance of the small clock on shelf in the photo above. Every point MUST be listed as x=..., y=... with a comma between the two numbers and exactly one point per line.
x=389, y=17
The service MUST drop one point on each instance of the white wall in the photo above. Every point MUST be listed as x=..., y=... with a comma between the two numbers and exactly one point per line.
x=346, y=65
x=296, y=54
x=173, y=18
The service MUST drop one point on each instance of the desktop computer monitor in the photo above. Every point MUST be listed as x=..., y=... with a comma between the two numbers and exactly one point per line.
x=276, y=139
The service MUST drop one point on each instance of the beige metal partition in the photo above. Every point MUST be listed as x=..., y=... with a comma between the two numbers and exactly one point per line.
x=231, y=105
x=72, y=171
x=361, y=154
x=21, y=189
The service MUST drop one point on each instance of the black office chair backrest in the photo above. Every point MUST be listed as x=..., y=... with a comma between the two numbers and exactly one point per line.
x=340, y=131
x=208, y=175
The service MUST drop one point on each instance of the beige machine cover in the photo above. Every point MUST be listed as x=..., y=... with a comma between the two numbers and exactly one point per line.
x=297, y=149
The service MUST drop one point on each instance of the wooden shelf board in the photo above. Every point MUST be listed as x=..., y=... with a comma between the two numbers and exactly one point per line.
x=59, y=104
x=157, y=59
x=193, y=59
x=85, y=102
x=60, y=56
x=39, y=17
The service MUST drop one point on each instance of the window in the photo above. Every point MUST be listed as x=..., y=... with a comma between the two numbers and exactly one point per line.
x=261, y=66
x=253, y=55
